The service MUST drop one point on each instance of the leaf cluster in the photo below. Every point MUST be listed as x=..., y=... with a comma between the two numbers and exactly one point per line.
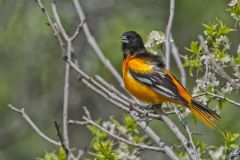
x=106, y=148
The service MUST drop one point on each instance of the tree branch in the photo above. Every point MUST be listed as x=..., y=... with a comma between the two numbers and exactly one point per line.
x=54, y=29
x=168, y=33
x=65, y=143
x=88, y=120
x=183, y=140
x=61, y=138
x=66, y=107
x=214, y=95
x=219, y=70
x=168, y=150
x=112, y=89
x=188, y=132
x=92, y=42
x=66, y=53
x=60, y=26
x=32, y=124
x=178, y=61
x=223, y=98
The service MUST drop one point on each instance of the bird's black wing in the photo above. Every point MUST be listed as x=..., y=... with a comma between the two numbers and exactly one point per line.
x=160, y=82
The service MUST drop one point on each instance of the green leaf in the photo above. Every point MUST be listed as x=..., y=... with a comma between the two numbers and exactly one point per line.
x=234, y=146
x=105, y=151
x=194, y=47
x=60, y=155
x=230, y=137
x=221, y=103
x=237, y=60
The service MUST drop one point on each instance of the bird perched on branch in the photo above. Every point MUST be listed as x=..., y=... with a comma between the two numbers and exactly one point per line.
x=146, y=78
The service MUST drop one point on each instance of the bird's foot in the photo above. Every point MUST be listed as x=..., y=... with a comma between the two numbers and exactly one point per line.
x=157, y=108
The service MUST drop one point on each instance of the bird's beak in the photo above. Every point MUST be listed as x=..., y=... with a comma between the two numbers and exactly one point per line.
x=124, y=39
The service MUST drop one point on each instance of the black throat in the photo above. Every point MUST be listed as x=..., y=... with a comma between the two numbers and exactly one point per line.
x=132, y=50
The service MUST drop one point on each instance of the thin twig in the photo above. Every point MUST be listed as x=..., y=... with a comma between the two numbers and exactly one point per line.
x=180, y=137
x=92, y=42
x=61, y=138
x=80, y=154
x=198, y=95
x=33, y=125
x=88, y=120
x=219, y=70
x=188, y=132
x=168, y=150
x=61, y=28
x=67, y=53
x=111, y=88
x=58, y=21
x=54, y=29
x=183, y=140
x=214, y=95
x=65, y=143
x=178, y=61
x=79, y=28
x=197, y=133
x=168, y=33
x=65, y=109
x=223, y=98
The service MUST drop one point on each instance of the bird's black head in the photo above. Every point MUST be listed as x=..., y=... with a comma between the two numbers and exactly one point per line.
x=132, y=43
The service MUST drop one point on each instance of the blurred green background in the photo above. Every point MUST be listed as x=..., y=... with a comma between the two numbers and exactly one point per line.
x=32, y=71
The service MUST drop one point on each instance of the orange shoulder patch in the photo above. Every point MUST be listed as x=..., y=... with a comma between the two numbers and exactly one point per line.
x=139, y=66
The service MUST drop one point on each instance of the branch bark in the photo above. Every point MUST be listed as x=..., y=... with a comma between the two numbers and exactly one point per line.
x=66, y=144
x=224, y=98
x=88, y=120
x=178, y=61
x=168, y=34
x=92, y=42
x=192, y=154
x=32, y=124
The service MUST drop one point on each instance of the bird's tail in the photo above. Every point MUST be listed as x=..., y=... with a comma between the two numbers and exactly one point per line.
x=205, y=114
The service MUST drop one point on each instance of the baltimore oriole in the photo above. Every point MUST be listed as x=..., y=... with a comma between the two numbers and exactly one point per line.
x=146, y=78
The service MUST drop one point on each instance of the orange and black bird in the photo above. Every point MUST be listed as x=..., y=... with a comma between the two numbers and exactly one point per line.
x=146, y=78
